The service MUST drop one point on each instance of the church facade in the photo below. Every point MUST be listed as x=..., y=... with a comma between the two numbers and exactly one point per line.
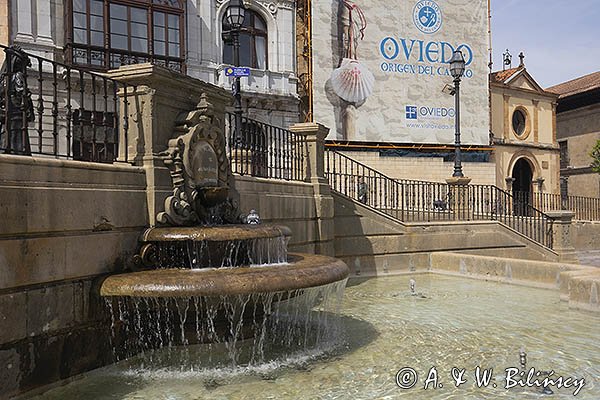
x=523, y=129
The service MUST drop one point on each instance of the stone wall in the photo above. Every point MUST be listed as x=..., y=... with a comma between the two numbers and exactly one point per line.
x=580, y=129
x=576, y=284
x=282, y=202
x=586, y=235
x=65, y=225
x=58, y=213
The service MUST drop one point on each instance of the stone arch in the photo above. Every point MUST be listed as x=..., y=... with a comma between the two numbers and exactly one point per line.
x=530, y=158
x=272, y=31
x=521, y=172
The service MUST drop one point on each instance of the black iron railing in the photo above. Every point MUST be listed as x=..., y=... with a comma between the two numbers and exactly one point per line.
x=422, y=201
x=585, y=208
x=52, y=109
x=265, y=151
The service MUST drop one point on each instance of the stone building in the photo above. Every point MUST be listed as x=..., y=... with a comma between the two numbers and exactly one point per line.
x=522, y=127
x=185, y=36
x=578, y=129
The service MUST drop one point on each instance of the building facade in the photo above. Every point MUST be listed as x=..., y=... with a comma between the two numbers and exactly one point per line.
x=378, y=79
x=523, y=129
x=578, y=130
x=185, y=36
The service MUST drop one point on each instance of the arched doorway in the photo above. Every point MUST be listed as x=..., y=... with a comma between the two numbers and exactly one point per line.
x=521, y=187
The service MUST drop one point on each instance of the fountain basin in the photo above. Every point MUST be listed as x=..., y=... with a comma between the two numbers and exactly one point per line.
x=215, y=233
x=302, y=271
x=213, y=246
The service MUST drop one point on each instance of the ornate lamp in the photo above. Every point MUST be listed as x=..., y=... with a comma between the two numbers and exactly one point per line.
x=457, y=69
x=235, y=14
x=457, y=64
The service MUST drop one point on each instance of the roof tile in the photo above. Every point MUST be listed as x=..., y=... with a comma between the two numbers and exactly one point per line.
x=504, y=75
x=578, y=85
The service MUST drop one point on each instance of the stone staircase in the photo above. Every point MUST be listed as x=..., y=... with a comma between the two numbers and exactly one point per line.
x=374, y=243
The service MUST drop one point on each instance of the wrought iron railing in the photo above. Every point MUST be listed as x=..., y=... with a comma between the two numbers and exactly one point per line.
x=265, y=151
x=422, y=201
x=585, y=208
x=52, y=109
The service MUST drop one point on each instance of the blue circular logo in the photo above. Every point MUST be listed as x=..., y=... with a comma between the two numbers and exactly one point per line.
x=427, y=16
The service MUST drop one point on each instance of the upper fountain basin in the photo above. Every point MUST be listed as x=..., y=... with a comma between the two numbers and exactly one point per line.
x=215, y=233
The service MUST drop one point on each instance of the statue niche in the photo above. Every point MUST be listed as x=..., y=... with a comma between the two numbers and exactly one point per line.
x=196, y=158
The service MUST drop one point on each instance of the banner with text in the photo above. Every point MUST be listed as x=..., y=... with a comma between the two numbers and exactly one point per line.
x=380, y=68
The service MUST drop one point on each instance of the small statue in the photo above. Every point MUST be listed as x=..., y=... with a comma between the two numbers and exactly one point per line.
x=363, y=191
x=253, y=218
x=16, y=106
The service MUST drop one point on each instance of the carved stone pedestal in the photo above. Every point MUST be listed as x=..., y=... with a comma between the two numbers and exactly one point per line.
x=562, y=235
x=459, y=197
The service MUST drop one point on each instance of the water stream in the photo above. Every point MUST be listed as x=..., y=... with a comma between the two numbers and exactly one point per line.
x=219, y=254
x=153, y=330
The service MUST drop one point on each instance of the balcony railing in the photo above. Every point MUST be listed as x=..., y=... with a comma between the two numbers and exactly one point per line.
x=266, y=151
x=52, y=109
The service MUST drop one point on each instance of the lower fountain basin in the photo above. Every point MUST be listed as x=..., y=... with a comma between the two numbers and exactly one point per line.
x=302, y=271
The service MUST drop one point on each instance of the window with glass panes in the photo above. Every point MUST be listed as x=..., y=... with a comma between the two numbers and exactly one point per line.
x=253, y=42
x=109, y=33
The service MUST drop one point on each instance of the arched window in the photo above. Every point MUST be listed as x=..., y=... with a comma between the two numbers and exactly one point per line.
x=105, y=34
x=253, y=42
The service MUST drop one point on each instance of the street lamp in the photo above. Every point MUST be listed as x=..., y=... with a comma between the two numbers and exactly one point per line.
x=457, y=69
x=234, y=16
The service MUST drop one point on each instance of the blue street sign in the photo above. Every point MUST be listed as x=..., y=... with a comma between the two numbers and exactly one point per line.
x=237, y=71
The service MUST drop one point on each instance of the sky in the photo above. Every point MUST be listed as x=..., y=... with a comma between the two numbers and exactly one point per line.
x=560, y=38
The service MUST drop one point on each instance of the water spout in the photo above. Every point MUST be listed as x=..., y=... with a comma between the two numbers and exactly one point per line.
x=523, y=358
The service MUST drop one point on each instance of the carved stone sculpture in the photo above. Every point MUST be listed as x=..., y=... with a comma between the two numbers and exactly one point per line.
x=196, y=157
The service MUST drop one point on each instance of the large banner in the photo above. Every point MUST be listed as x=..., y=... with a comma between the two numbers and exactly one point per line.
x=380, y=67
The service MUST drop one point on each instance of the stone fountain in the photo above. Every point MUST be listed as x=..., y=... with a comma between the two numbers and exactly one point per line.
x=203, y=276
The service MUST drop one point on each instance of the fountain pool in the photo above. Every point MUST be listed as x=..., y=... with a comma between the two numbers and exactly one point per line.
x=383, y=328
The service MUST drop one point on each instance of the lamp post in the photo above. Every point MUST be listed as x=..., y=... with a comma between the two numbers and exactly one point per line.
x=457, y=69
x=235, y=15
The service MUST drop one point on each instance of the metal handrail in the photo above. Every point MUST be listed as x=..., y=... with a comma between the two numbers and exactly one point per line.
x=423, y=201
x=585, y=208
x=262, y=150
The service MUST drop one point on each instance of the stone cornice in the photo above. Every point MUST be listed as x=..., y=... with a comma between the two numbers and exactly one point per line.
x=530, y=93
x=541, y=146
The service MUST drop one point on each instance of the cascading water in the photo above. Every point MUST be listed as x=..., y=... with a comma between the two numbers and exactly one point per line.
x=196, y=294
x=203, y=254
x=232, y=331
